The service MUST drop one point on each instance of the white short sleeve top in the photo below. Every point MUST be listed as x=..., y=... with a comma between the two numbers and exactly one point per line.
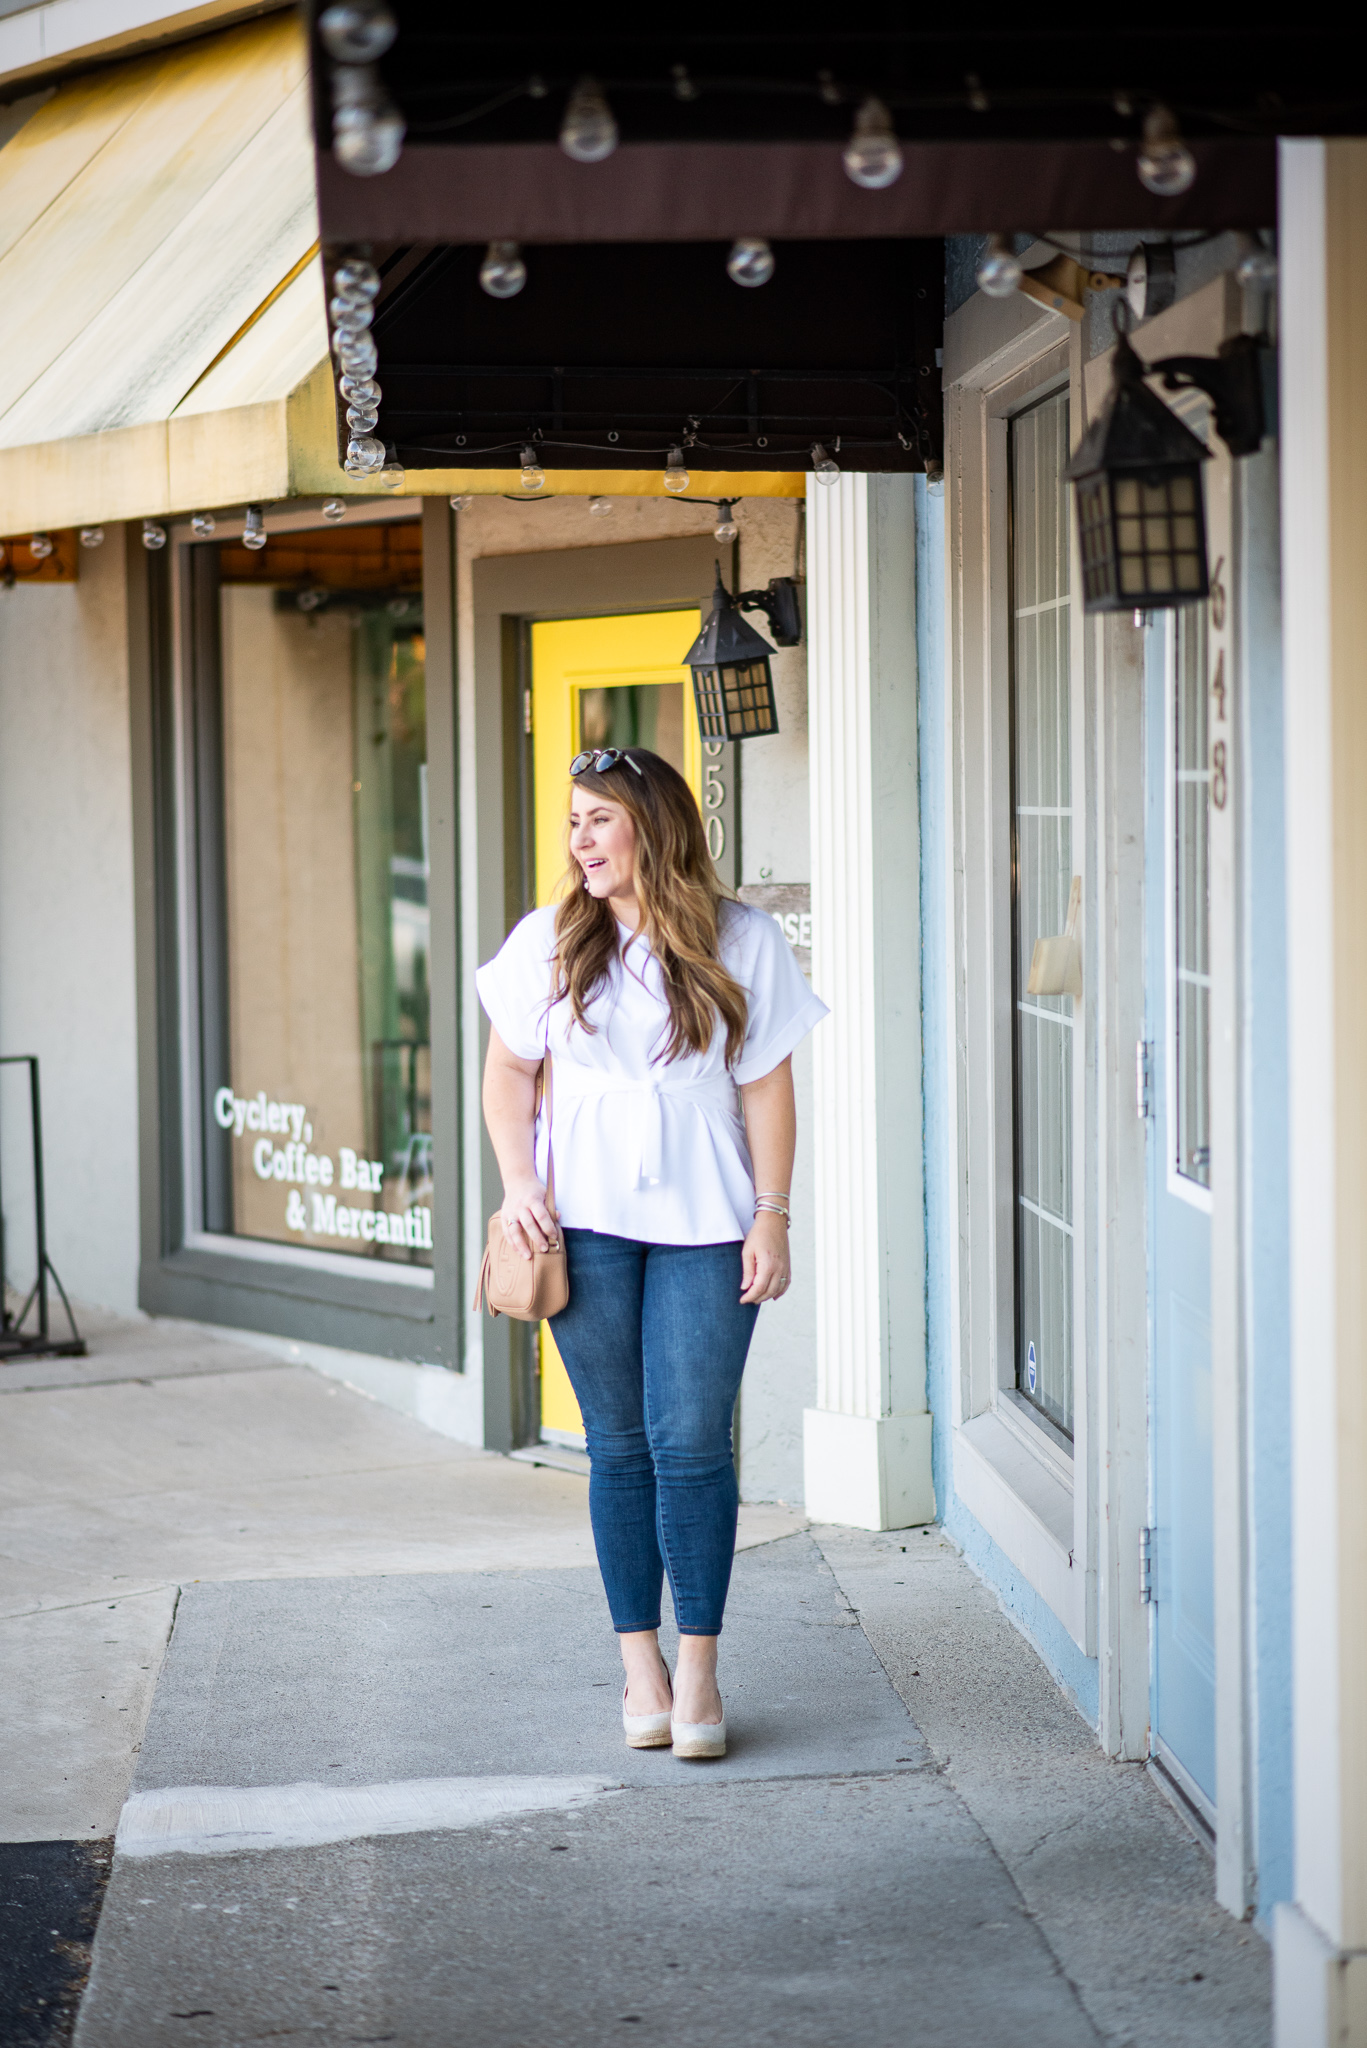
x=646, y=1149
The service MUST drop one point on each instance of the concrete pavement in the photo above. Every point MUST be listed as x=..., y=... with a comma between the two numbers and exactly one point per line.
x=913, y=1839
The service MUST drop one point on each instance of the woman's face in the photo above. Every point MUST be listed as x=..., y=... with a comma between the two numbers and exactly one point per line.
x=603, y=841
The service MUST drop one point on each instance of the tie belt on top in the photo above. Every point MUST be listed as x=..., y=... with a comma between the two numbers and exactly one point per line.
x=576, y=1083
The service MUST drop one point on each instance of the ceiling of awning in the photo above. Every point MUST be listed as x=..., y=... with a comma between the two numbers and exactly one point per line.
x=151, y=214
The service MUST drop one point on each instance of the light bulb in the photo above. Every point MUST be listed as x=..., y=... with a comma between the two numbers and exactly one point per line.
x=502, y=273
x=825, y=468
x=362, y=419
x=254, y=529
x=364, y=455
x=676, y=476
x=356, y=277
x=588, y=132
x=92, y=536
x=1166, y=166
x=533, y=475
x=1257, y=267
x=999, y=272
x=367, y=128
x=353, y=307
x=600, y=507
x=334, y=509
x=391, y=474
x=202, y=525
x=725, y=528
x=359, y=358
x=873, y=155
x=462, y=502
x=357, y=31
x=751, y=261
x=40, y=546
x=360, y=391
x=153, y=536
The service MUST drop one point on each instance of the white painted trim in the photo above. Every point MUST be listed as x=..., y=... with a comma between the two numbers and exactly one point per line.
x=1026, y=1512
x=1310, y=888
x=867, y=1440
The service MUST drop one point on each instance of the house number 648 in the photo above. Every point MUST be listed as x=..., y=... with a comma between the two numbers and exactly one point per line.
x=1219, y=775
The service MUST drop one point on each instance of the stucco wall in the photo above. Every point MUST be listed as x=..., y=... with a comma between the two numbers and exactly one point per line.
x=66, y=925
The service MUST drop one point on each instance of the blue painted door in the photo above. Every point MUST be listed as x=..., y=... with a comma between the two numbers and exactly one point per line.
x=1177, y=1034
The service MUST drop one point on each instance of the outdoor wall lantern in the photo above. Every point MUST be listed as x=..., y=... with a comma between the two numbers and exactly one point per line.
x=1140, y=512
x=732, y=684
x=1140, y=516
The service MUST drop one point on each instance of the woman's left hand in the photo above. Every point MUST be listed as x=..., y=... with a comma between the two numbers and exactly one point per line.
x=764, y=1266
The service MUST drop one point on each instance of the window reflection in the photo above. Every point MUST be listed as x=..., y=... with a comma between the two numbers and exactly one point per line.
x=312, y=730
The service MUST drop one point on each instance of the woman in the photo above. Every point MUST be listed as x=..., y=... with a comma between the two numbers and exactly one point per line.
x=671, y=1014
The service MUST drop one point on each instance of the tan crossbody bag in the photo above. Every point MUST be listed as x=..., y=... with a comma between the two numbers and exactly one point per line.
x=531, y=1289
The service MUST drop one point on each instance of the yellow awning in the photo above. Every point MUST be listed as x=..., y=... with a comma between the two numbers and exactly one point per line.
x=162, y=328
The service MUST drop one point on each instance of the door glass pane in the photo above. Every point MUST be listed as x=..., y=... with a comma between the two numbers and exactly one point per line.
x=312, y=736
x=635, y=715
x=1042, y=873
x=1191, y=965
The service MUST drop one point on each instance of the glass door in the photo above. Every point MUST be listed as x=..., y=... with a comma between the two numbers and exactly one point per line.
x=1042, y=900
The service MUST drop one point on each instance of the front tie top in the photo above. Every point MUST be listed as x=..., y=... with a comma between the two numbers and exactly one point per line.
x=644, y=1148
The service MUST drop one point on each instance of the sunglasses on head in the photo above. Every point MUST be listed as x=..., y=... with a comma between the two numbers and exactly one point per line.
x=600, y=759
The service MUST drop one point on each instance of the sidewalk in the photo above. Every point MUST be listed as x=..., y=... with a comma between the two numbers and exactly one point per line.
x=913, y=1839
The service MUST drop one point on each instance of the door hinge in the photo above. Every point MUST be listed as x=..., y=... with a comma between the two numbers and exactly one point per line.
x=1146, y=1565
x=1143, y=1071
x=526, y=711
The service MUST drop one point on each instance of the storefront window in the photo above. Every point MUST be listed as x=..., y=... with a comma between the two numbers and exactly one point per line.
x=311, y=743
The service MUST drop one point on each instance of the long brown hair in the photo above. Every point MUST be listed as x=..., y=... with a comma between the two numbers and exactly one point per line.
x=679, y=895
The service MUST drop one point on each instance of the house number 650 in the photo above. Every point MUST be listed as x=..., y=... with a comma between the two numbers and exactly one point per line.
x=713, y=796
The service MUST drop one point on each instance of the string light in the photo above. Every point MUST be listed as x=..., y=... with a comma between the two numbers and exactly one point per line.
x=999, y=272
x=725, y=528
x=202, y=525
x=588, y=132
x=533, y=475
x=873, y=155
x=503, y=273
x=364, y=456
x=355, y=287
x=334, y=509
x=153, y=536
x=825, y=468
x=40, y=546
x=392, y=473
x=600, y=507
x=1166, y=166
x=254, y=529
x=676, y=475
x=751, y=261
x=462, y=503
x=92, y=536
x=367, y=128
x=357, y=31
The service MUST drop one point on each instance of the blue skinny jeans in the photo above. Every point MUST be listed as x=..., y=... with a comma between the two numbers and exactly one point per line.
x=654, y=1341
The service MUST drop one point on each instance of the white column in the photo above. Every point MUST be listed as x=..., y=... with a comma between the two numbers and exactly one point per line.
x=1321, y=1939
x=867, y=1441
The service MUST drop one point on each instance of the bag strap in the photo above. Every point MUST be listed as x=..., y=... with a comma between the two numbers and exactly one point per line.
x=546, y=1101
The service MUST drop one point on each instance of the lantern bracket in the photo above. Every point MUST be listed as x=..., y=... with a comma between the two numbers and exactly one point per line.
x=779, y=603
x=1233, y=382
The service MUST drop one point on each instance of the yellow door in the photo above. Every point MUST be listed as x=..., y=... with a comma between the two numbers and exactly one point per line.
x=601, y=683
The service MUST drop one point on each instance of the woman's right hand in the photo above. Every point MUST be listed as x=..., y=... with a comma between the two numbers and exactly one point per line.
x=528, y=1224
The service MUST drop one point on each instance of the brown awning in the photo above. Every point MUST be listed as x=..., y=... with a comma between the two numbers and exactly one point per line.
x=795, y=191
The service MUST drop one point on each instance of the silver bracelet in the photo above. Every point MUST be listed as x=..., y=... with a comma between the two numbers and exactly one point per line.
x=773, y=1209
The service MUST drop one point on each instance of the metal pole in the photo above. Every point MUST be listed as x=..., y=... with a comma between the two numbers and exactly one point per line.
x=39, y=1205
